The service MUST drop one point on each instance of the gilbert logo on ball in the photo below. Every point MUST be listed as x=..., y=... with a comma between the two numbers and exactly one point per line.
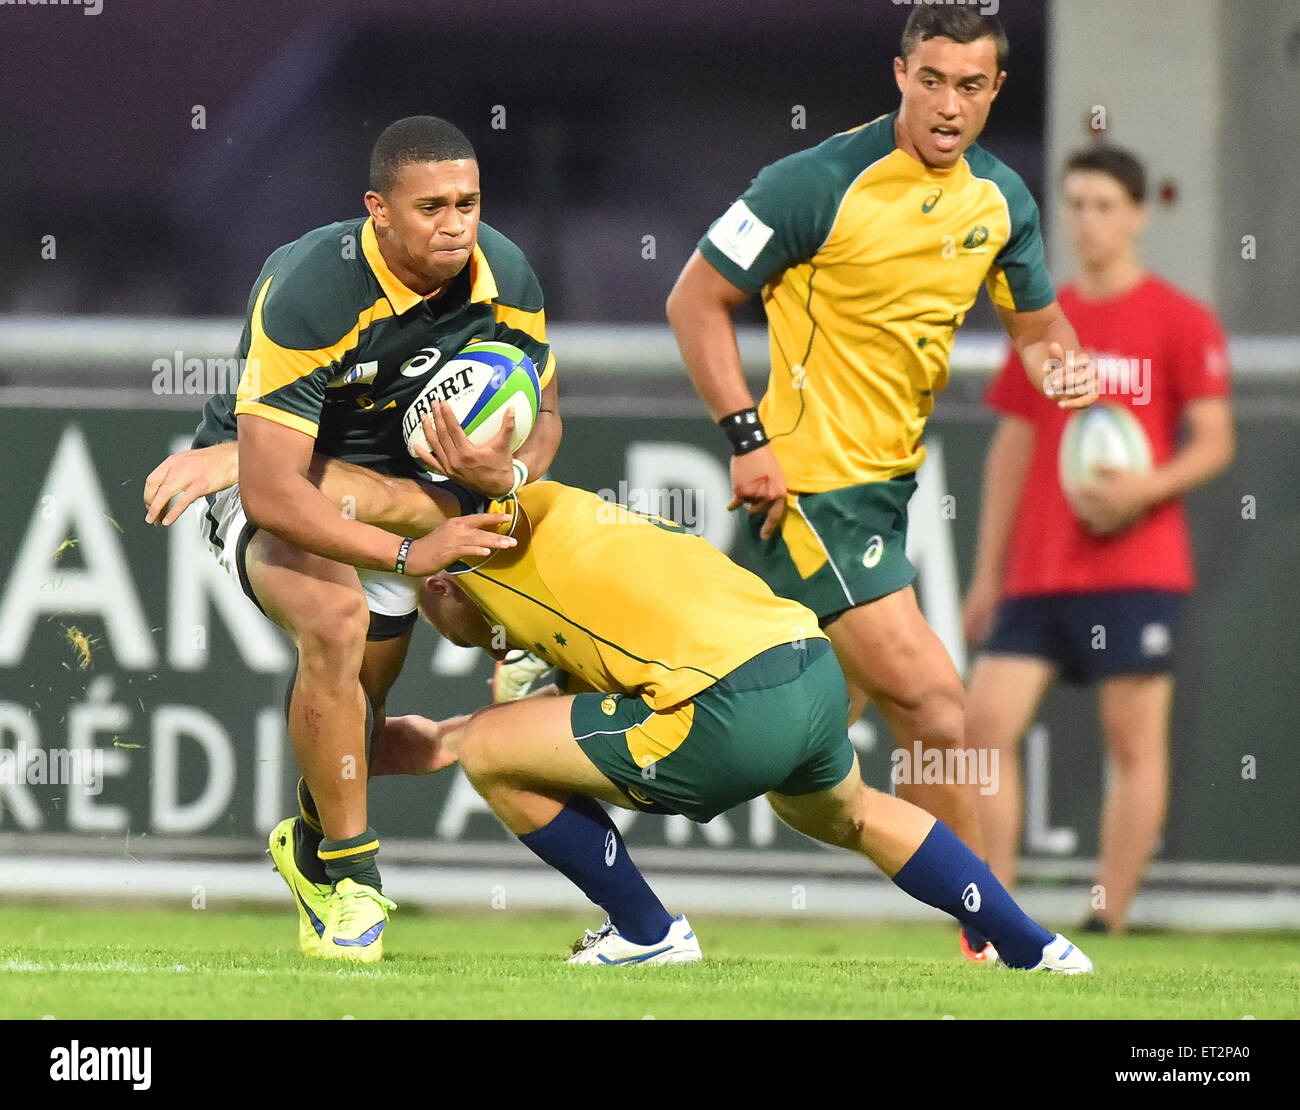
x=480, y=385
x=1105, y=434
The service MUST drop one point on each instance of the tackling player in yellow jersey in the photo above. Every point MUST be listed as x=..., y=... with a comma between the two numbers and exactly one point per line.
x=869, y=250
x=701, y=690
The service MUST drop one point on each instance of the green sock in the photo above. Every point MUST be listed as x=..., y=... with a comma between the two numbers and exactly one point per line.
x=353, y=859
x=307, y=838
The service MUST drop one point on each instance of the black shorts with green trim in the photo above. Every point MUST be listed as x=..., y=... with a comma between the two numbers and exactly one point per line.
x=775, y=723
x=837, y=549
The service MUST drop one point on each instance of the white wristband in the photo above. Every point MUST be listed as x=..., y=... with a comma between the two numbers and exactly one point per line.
x=521, y=475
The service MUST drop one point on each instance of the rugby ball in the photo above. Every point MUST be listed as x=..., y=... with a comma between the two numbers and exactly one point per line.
x=481, y=384
x=1101, y=435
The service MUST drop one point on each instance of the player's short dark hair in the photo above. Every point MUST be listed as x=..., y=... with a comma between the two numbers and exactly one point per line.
x=959, y=24
x=415, y=139
x=1121, y=164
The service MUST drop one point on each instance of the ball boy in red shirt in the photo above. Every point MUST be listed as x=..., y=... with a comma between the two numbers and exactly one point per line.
x=1091, y=589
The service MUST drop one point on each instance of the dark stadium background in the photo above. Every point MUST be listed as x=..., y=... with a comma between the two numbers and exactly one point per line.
x=622, y=120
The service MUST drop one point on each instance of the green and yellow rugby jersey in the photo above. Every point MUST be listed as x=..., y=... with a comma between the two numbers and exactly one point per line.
x=625, y=602
x=868, y=262
x=338, y=347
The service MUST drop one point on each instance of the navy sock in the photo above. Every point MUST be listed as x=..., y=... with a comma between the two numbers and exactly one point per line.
x=583, y=844
x=944, y=873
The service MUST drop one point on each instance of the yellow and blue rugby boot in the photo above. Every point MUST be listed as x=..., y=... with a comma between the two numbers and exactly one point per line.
x=354, y=923
x=310, y=898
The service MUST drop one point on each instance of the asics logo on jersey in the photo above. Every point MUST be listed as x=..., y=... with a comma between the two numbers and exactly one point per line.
x=611, y=848
x=931, y=201
x=970, y=898
x=420, y=363
x=874, y=552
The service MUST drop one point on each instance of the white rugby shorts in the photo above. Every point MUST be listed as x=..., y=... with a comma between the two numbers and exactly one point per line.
x=228, y=532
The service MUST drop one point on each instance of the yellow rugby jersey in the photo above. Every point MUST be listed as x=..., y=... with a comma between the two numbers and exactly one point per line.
x=626, y=602
x=868, y=262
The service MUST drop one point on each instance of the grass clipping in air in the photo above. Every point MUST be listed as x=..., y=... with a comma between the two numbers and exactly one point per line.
x=82, y=645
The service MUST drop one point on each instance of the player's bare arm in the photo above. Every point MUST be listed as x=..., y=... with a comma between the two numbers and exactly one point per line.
x=1052, y=356
x=279, y=497
x=395, y=504
x=537, y=452
x=1121, y=497
x=407, y=507
x=699, y=312
x=413, y=745
x=182, y=478
x=400, y=506
x=1004, y=479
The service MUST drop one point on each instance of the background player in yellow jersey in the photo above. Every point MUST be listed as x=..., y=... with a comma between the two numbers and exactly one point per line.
x=869, y=250
x=702, y=690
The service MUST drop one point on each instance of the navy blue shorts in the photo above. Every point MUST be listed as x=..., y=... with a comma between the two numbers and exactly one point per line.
x=1091, y=636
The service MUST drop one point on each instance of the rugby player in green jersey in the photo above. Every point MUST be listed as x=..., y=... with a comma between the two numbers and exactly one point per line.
x=343, y=326
x=869, y=249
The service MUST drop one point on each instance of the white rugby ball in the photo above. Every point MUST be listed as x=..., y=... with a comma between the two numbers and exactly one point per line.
x=1104, y=434
x=481, y=384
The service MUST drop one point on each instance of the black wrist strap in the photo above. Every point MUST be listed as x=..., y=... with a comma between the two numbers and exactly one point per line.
x=402, y=552
x=744, y=431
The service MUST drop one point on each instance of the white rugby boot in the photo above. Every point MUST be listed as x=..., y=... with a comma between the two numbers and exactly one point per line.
x=1063, y=958
x=608, y=946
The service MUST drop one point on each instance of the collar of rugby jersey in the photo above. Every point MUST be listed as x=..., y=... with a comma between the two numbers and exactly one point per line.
x=482, y=285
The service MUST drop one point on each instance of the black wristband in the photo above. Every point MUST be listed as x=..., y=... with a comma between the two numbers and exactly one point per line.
x=744, y=431
x=402, y=552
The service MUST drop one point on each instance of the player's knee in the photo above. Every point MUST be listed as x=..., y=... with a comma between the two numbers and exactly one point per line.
x=476, y=751
x=332, y=631
x=1131, y=750
x=940, y=714
x=933, y=706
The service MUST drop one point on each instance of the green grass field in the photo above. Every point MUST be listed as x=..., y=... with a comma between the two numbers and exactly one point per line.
x=168, y=963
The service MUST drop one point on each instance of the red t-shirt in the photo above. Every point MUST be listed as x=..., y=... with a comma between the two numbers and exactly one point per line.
x=1050, y=551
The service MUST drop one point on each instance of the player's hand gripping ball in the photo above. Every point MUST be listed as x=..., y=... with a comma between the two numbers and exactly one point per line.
x=480, y=385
